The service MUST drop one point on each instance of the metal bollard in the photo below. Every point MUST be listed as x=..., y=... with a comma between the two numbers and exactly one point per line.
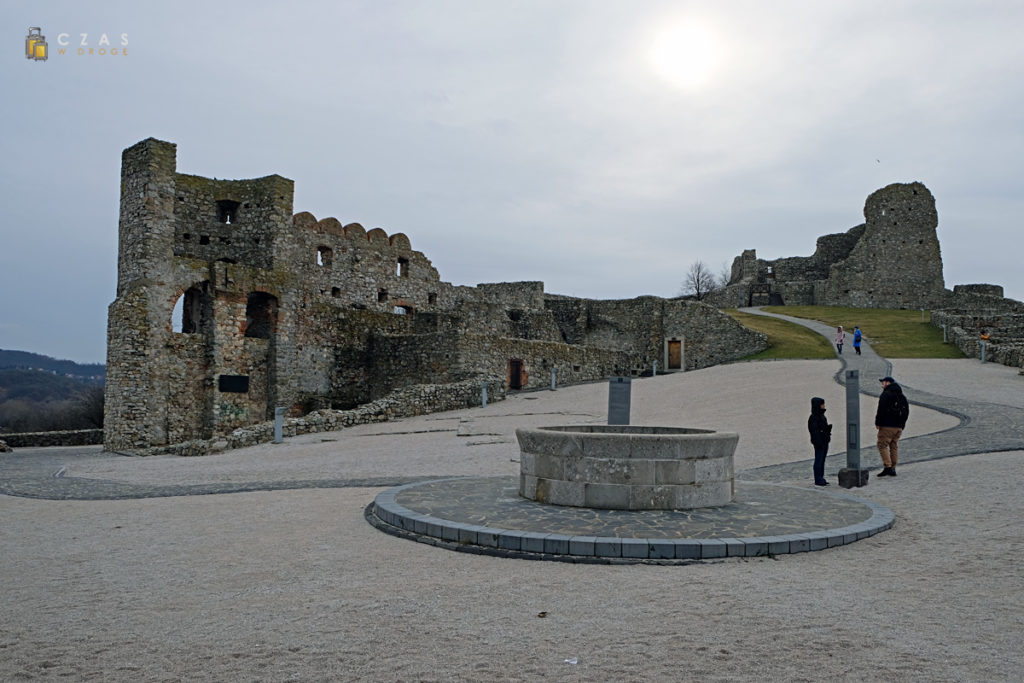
x=983, y=345
x=654, y=373
x=853, y=419
x=552, y=379
x=945, y=340
x=852, y=475
x=483, y=395
x=279, y=424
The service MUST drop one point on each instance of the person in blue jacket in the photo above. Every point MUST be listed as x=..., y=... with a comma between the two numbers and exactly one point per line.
x=856, y=339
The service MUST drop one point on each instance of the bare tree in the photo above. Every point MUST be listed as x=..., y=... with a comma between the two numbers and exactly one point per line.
x=699, y=281
x=724, y=275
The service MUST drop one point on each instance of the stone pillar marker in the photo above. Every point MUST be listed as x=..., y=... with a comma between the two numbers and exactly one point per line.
x=278, y=424
x=552, y=379
x=852, y=475
x=619, y=389
x=654, y=372
x=983, y=351
x=483, y=394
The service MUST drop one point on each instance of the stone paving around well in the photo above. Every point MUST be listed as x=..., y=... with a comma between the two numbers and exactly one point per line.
x=765, y=518
x=485, y=515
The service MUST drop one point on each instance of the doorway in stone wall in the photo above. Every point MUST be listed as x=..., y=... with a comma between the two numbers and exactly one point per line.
x=515, y=373
x=675, y=354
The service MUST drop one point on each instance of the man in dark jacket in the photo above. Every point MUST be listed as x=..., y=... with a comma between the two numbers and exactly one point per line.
x=821, y=435
x=890, y=419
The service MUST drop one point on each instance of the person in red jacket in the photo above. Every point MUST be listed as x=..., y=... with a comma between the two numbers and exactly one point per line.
x=890, y=419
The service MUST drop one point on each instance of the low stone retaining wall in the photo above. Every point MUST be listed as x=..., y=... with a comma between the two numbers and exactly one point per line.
x=419, y=399
x=75, y=437
x=626, y=467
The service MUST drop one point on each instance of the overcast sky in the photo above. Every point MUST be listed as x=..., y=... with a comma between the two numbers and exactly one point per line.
x=600, y=147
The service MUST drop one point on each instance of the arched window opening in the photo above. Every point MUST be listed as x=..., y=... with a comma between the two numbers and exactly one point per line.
x=260, y=315
x=189, y=314
x=177, y=316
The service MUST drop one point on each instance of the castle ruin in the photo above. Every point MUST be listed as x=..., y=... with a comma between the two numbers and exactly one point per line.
x=892, y=260
x=229, y=305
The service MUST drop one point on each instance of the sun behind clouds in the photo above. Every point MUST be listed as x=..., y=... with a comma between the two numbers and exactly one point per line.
x=686, y=53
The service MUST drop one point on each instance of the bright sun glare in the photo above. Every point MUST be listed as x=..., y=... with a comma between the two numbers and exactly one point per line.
x=685, y=54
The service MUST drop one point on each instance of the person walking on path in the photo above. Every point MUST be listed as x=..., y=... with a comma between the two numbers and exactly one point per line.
x=890, y=419
x=840, y=338
x=856, y=339
x=821, y=435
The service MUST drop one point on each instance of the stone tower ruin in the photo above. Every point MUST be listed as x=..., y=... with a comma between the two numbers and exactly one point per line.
x=229, y=306
x=892, y=260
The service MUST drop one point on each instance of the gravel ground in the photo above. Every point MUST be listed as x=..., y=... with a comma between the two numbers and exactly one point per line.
x=294, y=585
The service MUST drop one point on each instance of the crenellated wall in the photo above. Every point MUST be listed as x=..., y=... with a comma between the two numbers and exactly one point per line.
x=228, y=306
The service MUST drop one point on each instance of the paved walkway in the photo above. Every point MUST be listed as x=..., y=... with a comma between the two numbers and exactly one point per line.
x=484, y=514
x=984, y=427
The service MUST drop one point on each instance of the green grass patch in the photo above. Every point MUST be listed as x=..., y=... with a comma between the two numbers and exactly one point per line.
x=891, y=333
x=785, y=339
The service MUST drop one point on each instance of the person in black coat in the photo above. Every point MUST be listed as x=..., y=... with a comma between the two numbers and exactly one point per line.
x=890, y=419
x=821, y=435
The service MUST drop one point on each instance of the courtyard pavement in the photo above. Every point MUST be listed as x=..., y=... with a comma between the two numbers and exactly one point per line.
x=759, y=521
x=271, y=585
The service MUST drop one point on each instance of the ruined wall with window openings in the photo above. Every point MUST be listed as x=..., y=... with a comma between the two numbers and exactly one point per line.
x=229, y=305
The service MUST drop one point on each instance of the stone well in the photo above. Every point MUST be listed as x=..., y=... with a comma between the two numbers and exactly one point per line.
x=626, y=467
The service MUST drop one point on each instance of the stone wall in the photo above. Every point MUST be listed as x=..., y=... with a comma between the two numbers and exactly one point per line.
x=407, y=402
x=1005, y=327
x=228, y=306
x=76, y=437
x=893, y=260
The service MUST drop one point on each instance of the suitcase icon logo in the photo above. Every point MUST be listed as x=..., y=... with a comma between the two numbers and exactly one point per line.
x=35, y=44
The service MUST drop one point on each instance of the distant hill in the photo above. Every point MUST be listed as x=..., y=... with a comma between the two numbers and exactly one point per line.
x=25, y=360
x=39, y=393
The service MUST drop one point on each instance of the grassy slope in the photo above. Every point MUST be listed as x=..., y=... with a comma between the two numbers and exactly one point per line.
x=892, y=333
x=785, y=339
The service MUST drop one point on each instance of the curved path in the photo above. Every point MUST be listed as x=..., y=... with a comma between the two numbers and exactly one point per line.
x=984, y=427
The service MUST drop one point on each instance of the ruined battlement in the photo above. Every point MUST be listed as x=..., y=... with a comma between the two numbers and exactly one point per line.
x=892, y=260
x=229, y=304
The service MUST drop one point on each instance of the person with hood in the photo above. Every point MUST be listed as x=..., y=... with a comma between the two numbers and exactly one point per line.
x=821, y=435
x=856, y=338
x=840, y=338
x=890, y=419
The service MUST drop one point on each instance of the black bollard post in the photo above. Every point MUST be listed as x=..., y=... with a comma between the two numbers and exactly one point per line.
x=618, y=400
x=853, y=475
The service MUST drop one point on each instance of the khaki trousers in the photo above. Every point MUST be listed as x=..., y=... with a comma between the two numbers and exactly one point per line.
x=888, y=445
